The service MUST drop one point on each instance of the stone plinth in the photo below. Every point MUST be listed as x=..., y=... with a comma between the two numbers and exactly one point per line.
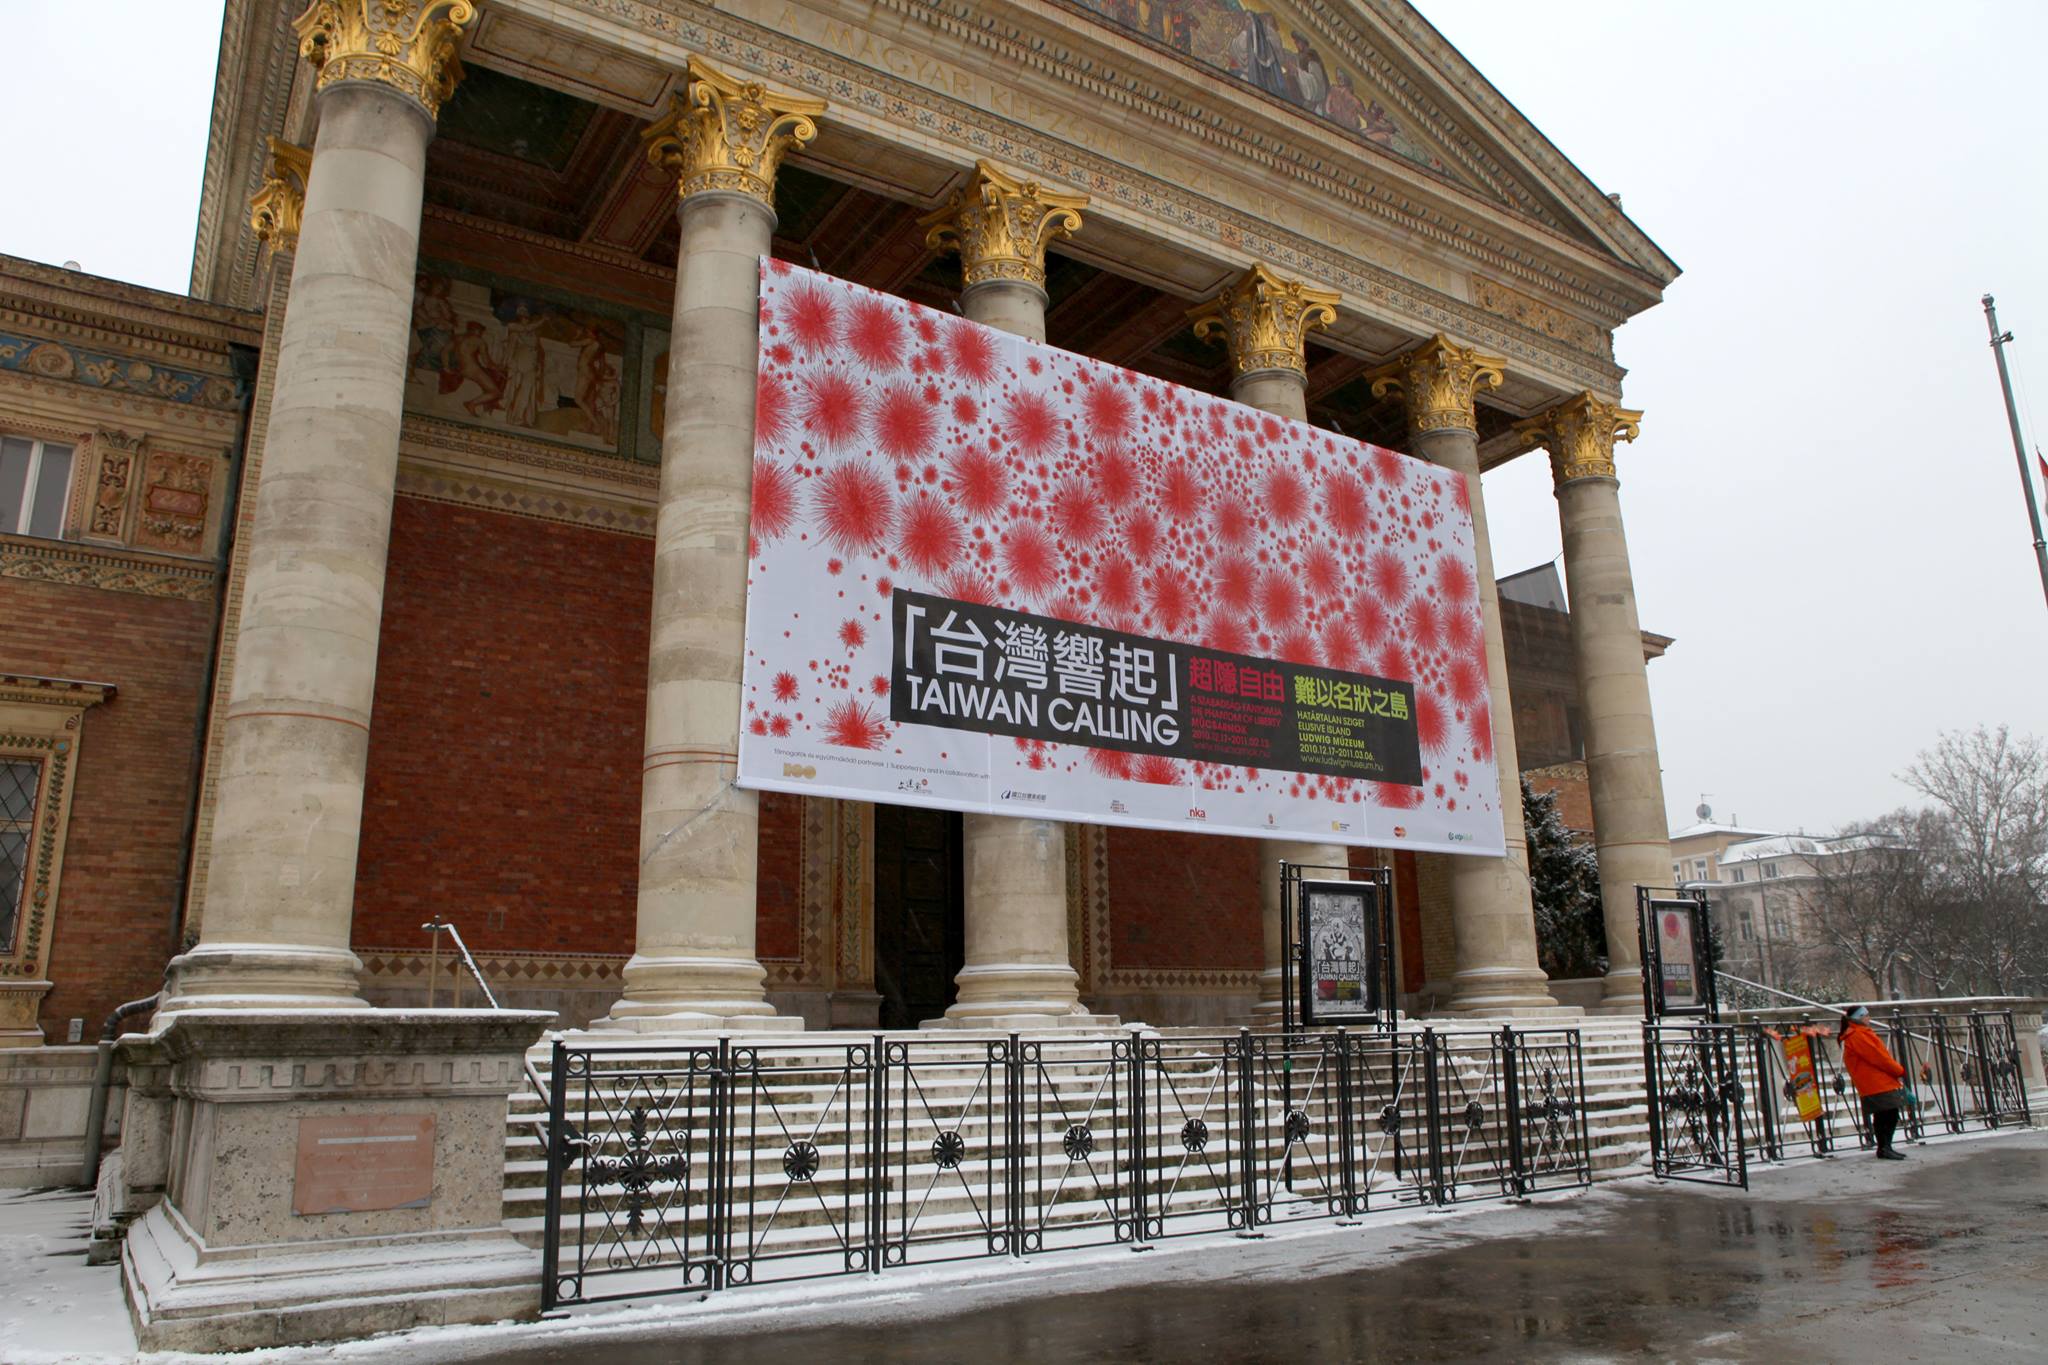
x=331, y=1175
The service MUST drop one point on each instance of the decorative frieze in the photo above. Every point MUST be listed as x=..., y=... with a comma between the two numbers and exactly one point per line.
x=1580, y=434
x=1439, y=382
x=1538, y=316
x=727, y=135
x=405, y=45
x=1001, y=226
x=111, y=570
x=1266, y=320
x=56, y=360
x=120, y=456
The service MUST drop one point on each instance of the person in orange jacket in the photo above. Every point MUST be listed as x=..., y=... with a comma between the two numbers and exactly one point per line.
x=1878, y=1077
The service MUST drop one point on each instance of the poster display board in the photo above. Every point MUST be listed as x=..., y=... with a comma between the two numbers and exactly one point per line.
x=1677, y=959
x=1339, y=938
x=988, y=575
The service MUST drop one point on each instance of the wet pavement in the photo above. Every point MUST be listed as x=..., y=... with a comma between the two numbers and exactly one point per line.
x=1944, y=1257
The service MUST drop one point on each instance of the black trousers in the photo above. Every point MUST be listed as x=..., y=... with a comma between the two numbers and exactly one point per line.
x=1884, y=1122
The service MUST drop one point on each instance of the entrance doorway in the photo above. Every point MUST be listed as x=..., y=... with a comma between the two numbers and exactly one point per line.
x=920, y=912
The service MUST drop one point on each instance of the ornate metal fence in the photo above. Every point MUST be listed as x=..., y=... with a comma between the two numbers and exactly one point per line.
x=1692, y=1072
x=704, y=1167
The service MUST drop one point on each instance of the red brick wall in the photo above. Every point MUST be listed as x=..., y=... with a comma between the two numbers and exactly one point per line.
x=124, y=857
x=777, y=900
x=1574, y=796
x=1183, y=900
x=504, y=776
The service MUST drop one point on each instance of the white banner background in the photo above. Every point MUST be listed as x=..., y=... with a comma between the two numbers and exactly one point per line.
x=899, y=448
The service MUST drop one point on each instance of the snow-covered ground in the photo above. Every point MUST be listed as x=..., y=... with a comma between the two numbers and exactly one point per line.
x=53, y=1306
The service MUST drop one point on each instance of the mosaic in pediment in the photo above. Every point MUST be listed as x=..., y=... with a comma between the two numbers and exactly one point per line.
x=1266, y=47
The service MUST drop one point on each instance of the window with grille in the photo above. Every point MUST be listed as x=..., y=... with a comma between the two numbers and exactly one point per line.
x=19, y=780
x=35, y=484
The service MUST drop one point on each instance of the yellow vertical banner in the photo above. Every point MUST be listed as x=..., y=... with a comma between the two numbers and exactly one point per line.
x=1799, y=1068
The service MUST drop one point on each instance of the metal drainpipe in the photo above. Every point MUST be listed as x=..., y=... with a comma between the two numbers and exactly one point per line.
x=102, y=1081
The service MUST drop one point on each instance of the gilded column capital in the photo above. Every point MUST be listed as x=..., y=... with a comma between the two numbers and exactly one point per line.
x=1001, y=226
x=1266, y=320
x=1580, y=434
x=729, y=136
x=405, y=45
x=1439, y=380
x=279, y=204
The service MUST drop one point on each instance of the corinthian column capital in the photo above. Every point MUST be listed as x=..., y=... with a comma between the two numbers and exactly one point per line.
x=1439, y=381
x=404, y=45
x=279, y=204
x=1001, y=226
x=1580, y=434
x=1266, y=320
x=729, y=136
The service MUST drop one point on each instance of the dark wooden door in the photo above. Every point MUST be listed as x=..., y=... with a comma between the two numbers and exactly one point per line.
x=920, y=912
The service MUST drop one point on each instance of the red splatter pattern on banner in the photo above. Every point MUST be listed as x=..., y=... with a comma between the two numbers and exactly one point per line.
x=902, y=448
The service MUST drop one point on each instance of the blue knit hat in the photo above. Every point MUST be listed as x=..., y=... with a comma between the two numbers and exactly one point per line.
x=1860, y=1012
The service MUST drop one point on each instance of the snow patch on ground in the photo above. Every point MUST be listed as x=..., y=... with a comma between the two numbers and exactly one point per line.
x=57, y=1309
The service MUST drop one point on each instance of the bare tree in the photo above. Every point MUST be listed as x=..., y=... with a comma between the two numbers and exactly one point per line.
x=1868, y=897
x=1985, y=921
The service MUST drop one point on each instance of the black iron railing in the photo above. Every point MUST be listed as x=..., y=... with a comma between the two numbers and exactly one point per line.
x=725, y=1164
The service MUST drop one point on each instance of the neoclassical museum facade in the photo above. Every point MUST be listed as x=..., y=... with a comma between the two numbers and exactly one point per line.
x=399, y=572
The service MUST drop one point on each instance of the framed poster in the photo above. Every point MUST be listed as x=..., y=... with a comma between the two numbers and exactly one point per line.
x=1339, y=946
x=1679, y=960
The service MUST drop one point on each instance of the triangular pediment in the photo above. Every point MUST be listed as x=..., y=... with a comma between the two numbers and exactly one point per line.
x=1377, y=73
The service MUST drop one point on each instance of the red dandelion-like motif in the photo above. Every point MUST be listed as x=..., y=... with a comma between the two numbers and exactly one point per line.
x=1172, y=603
x=1108, y=409
x=853, y=506
x=1425, y=627
x=774, y=500
x=1297, y=646
x=1396, y=795
x=1076, y=513
x=1232, y=522
x=1322, y=572
x=1141, y=534
x=1030, y=422
x=978, y=479
x=1466, y=681
x=1158, y=770
x=1463, y=630
x=972, y=351
x=852, y=633
x=785, y=687
x=1225, y=632
x=1180, y=493
x=1031, y=558
x=1454, y=580
x=771, y=408
x=812, y=318
x=833, y=409
x=1386, y=466
x=1279, y=600
x=1235, y=581
x=1387, y=572
x=1344, y=504
x=853, y=725
x=970, y=585
x=1285, y=496
x=1369, y=619
x=1479, y=725
x=1432, y=727
x=1115, y=479
x=905, y=424
x=1461, y=493
x=876, y=334
x=1116, y=583
x=1110, y=762
x=928, y=535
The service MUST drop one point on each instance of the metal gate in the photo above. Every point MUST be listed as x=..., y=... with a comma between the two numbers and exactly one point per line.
x=1694, y=1078
x=698, y=1167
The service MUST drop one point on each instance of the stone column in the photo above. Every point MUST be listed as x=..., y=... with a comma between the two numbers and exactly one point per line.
x=281, y=891
x=1627, y=781
x=693, y=963
x=1491, y=912
x=1266, y=320
x=1018, y=971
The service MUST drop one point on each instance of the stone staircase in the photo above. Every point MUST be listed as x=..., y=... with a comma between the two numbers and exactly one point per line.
x=799, y=1153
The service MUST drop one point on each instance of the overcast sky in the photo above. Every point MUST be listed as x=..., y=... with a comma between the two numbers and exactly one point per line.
x=1823, y=508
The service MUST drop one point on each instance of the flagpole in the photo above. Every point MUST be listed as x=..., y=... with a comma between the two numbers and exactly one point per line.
x=2019, y=448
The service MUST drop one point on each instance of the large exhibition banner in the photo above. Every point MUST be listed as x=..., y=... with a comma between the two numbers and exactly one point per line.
x=989, y=575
